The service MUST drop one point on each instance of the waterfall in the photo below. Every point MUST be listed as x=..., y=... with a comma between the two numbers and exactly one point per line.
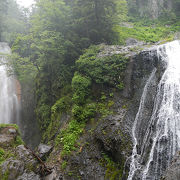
x=162, y=137
x=9, y=102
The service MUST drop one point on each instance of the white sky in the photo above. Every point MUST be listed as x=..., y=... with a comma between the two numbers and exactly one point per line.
x=25, y=3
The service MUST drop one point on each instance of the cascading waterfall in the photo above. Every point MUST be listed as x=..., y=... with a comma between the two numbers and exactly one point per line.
x=9, y=102
x=162, y=137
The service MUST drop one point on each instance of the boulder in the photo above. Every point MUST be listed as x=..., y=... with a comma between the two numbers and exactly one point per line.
x=7, y=136
x=44, y=150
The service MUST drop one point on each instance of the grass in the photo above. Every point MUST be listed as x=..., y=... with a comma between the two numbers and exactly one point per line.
x=69, y=136
x=148, y=31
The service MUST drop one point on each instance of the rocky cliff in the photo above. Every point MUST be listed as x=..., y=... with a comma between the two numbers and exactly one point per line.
x=105, y=144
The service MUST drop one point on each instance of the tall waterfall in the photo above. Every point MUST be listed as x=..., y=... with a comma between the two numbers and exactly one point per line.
x=9, y=102
x=162, y=136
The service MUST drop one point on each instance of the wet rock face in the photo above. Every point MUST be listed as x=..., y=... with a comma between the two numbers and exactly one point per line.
x=173, y=172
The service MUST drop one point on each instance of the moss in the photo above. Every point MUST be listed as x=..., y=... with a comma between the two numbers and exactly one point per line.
x=53, y=127
x=64, y=165
x=9, y=125
x=80, y=86
x=84, y=113
x=18, y=141
x=2, y=154
x=68, y=137
x=7, y=150
x=4, y=176
x=104, y=109
x=61, y=105
x=113, y=170
x=107, y=70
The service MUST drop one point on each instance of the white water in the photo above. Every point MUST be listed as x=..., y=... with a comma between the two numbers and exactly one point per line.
x=9, y=103
x=165, y=118
x=135, y=157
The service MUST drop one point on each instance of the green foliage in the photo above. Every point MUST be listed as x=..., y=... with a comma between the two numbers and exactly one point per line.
x=5, y=176
x=120, y=85
x=121, y=10
x=103, y=70
x=84, y=113
x=44, y=55
x=18, y=141
x=9, y=125
x=2, y=154
x=80, y=87
x=93, y=20
x=64, y=164
x=113, y=170
x=63, y=104
x=145, y=33
x=23, y=68
x=103, y=108
x=145, y=8
x=43, y=112
x=12, y=20
x=68, y=137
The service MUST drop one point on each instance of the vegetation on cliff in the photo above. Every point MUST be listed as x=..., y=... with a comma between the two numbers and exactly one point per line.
x=57, y=54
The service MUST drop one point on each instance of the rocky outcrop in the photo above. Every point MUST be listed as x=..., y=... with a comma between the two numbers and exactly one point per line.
x=16, y=161
x=105, y=147
x=44, y=151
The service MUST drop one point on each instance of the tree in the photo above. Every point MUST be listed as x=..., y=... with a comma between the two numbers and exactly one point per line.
x=3, y=11
x=93, y=20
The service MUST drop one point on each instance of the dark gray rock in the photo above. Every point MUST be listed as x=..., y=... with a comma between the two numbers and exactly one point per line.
x=13, y=167
x=25, y=155
x=17, y=168
x=177, y=36
x=113, y=134
x=54, y=176
x=132, y=41
x=173, y=172
x=44, y=150
x=29, y=176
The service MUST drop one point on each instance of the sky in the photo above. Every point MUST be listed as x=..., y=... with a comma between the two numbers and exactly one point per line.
x=25, y=3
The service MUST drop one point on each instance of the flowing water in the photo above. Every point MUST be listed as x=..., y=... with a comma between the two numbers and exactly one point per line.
x=9, y=101
x=163, y=131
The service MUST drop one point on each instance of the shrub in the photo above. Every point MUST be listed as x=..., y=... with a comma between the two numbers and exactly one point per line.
x=84, y=113
x=102, y=70
x=69, y=136
x=61, y=105
x=80, y=86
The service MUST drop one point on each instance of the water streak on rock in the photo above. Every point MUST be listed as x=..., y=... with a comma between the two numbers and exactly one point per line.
x=162, y=137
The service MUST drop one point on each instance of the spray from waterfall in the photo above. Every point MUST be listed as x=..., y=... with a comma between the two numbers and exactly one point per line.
x=9, y=102
x=165, y=120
